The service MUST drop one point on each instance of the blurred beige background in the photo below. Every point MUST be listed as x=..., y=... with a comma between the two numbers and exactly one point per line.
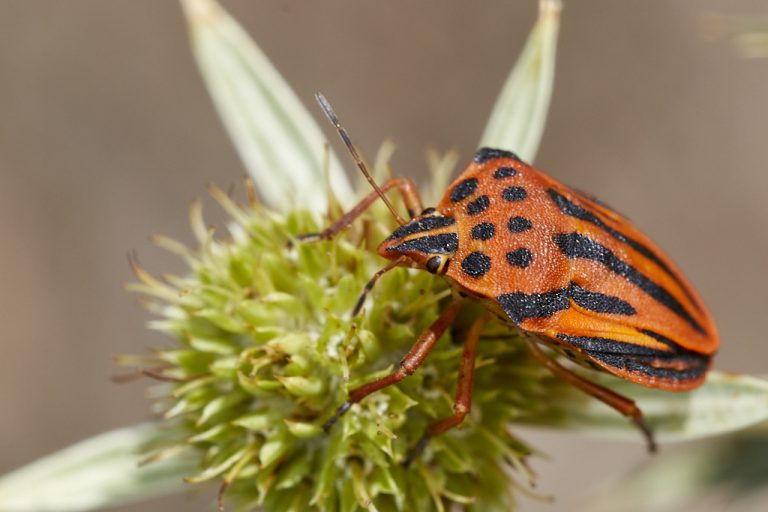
x=107, y=135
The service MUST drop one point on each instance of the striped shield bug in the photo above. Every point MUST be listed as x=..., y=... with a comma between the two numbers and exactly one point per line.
x=562, y=268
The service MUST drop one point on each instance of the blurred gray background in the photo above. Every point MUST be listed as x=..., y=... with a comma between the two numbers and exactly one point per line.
x=107, y=135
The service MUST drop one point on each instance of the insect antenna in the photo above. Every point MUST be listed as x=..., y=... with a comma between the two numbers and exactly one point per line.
x=359, y=161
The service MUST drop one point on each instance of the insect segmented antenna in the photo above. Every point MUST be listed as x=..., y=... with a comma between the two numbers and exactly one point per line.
x=359, y=161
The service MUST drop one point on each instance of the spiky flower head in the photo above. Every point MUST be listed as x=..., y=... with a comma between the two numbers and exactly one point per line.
x=267, y=349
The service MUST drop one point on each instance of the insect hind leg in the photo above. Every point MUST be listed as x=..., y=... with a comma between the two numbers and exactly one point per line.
x=620, y=403
x=463, y=402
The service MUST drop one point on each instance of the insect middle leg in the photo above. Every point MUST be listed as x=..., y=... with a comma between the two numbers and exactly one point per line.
x=463, y=402
x=408, y=365
x=622, y=404
x=405, y=186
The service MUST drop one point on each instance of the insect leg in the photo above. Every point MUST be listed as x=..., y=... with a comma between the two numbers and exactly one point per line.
x=369, y=285
x=405, y=186
x=622, y=404
x=463, y=402
x=409, y=364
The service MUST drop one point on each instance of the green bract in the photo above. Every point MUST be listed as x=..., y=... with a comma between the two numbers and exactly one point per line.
x=267, y=351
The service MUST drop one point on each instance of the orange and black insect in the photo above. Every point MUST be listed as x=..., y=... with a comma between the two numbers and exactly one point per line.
x=562, y=268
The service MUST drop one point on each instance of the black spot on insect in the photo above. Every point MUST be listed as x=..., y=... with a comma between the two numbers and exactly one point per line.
x=483, y=231
x=463, y=190
x=522, y=306
x=599, y=302
x=520, y=258
x=420, y=225
x=484, y=154
x=504, y=172
x=514, y=194
x=427, y=211
x=476, y=264
x=444, y=243
x=519, y=224
x=479, y=205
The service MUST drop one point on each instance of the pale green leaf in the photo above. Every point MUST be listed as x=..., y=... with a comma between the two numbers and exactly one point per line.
x=657, y=487
x=99, y=472
x=725, y=403
x=730, y=470
x=518, y=117
x=280, y=144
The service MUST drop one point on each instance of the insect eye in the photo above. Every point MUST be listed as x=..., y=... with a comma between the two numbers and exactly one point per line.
x=427, y=211
x=433, y=264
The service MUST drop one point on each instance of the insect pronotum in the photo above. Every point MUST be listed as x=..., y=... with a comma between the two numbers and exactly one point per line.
x=559, y=266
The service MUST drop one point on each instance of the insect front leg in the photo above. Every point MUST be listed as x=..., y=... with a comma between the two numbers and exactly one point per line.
x=624, y=405
x=463, y=402
x=409, y=364
x=407, y=190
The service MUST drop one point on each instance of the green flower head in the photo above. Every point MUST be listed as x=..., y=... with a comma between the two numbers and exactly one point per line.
x=266, y=348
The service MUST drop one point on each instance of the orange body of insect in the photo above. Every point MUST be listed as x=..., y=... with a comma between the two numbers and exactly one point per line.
x=562, y=268
x=557, y=264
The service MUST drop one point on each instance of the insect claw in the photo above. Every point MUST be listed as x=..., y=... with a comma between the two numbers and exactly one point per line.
x=220, y=496
x=338, y=414
x=648, y=434
x=416, y=451
x=359, y=305
x=650, y=440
